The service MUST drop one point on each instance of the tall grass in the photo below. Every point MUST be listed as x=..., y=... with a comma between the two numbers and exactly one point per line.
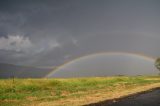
x=54, y=89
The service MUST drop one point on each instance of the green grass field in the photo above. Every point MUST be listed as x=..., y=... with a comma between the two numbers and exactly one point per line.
x=28, y=92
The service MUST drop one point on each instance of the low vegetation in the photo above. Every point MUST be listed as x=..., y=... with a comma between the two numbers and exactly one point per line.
x=52, y=92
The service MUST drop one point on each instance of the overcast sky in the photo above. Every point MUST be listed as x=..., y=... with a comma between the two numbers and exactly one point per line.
x=51, y=32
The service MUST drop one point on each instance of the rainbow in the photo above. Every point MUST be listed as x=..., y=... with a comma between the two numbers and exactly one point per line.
x=145, y=57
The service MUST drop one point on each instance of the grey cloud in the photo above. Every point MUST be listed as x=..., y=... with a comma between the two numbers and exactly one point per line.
x=59, y=31
x=15, y=43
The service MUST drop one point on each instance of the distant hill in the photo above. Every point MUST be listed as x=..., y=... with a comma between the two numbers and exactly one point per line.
x=10, y=70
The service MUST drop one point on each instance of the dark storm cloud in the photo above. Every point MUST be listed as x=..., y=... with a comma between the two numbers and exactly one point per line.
x=51, y=32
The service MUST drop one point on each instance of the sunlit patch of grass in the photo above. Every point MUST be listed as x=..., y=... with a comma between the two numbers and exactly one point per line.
x=26, y=91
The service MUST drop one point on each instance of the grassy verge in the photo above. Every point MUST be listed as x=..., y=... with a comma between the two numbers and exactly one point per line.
x=75, y=91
